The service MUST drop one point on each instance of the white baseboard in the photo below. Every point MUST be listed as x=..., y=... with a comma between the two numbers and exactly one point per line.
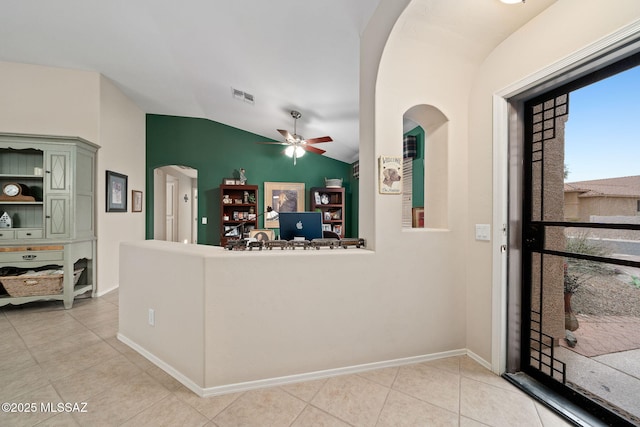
x=479, y=359
x=101, y=292
x=290, y=379
x=164, y=366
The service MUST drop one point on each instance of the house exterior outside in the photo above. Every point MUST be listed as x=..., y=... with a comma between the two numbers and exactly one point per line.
x=602, y=197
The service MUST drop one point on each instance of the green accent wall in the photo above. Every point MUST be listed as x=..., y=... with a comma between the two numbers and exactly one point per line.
x=218, y=151
x=418, y=167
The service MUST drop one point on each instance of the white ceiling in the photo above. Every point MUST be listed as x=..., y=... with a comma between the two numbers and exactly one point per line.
x=183, y=58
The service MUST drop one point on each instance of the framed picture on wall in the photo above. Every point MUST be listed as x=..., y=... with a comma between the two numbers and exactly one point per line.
x=116, y=192
x=136, y=201
x=282, y=197
x=390, y=175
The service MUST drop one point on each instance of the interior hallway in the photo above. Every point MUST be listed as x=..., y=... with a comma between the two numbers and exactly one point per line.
x=52, y=355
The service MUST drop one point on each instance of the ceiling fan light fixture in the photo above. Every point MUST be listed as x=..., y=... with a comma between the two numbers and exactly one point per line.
x=512, y=1
x=290, y=150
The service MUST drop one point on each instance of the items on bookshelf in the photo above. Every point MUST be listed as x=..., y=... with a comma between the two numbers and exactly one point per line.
x=331, y=202
x=238, y=211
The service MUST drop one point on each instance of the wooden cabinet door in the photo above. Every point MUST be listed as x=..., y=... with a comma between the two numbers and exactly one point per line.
x=57, y=216
x=58, y=174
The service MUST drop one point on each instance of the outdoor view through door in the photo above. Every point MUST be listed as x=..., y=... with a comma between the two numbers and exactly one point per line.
x=581, y=241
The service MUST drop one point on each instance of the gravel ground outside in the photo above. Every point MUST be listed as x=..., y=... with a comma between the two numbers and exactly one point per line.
x=609, y=295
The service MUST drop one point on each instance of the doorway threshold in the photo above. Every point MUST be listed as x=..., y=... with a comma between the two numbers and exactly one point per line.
x=564, y=407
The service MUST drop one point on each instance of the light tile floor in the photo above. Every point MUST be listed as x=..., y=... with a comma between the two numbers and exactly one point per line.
x=49, y=355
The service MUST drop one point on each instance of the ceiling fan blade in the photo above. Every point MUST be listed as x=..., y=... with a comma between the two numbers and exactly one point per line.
x=313, y=149
x=319, y=140
x=286, y=134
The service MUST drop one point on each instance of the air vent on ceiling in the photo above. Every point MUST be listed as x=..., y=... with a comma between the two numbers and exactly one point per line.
x=242, y=96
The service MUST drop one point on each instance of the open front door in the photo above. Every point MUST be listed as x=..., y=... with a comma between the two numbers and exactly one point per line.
x=580, y=251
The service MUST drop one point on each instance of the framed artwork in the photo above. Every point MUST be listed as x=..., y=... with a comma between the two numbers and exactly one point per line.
x=417, y=217
x=282, y=197
x=337, y=229
x=136, y=201
x=390, y=175
x=262, y=234
x=116, y=192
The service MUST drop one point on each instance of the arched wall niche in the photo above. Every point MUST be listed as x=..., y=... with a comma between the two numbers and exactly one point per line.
x=436, y=163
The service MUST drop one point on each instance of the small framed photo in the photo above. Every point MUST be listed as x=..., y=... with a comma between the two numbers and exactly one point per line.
x=337, y=229
x=326, y=227
x=229, y=181
x=262, y=235
x=327, y=216
x=417, y=217
x=116, y=192
x=136, y=201
x=317, y=198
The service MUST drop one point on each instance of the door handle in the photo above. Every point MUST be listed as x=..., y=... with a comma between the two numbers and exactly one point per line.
x=533, y=237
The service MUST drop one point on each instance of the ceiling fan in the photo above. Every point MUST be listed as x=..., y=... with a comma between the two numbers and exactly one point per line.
x=296, y=144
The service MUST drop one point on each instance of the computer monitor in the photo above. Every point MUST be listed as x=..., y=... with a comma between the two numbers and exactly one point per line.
x=302, y=225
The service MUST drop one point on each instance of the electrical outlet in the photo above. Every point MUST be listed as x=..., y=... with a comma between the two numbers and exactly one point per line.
x=152, y=317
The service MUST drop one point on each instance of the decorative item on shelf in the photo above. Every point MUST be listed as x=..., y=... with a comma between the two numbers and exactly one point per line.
x=230, y=181
x=262, y=234
x=16, y=192
x=245, y=197
x=243, y=177
x=226, y=199
x=333, y=182
x=417, y=217
x=324, y=198
x=5, y=220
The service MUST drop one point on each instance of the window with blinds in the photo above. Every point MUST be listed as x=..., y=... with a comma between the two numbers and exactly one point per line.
x=409, y=152
x=407, y=193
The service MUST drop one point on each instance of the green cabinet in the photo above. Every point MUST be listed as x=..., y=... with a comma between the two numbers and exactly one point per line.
x=56, y=205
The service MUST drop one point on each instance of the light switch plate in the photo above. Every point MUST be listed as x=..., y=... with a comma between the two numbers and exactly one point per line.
x=483, y=232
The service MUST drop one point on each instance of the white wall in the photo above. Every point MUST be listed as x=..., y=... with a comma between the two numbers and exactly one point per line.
x=54, y=101
x=123, y=139
x=422, y=67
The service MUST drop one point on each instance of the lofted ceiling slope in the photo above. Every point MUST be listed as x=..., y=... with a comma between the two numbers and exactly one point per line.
x=184, y=58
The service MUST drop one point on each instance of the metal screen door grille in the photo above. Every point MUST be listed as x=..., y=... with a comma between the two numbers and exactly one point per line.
x=546, y=124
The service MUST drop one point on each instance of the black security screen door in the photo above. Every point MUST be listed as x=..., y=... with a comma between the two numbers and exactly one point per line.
x=581, y=252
